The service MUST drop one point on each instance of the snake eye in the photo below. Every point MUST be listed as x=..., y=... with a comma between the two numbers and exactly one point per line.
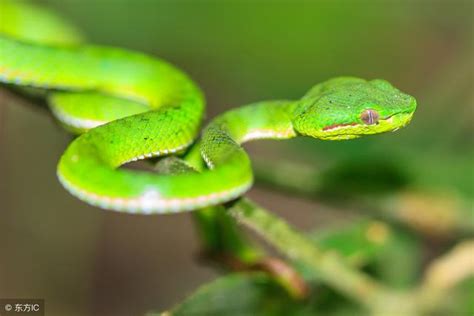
x=369, y=117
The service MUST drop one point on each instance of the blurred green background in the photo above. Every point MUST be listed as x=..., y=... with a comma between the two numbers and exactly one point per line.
x=85, y=261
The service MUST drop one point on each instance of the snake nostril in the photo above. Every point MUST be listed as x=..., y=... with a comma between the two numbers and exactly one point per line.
x=369, y=117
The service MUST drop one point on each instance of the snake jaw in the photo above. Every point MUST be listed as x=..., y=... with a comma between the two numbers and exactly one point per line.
x=354, y=130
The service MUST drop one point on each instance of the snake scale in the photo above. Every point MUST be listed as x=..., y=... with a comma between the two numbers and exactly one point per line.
x=128, y=106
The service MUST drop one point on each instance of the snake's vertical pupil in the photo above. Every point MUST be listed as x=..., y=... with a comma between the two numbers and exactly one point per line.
x=370, y=117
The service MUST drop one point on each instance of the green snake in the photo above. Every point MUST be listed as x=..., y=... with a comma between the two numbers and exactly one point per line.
x=128, y=106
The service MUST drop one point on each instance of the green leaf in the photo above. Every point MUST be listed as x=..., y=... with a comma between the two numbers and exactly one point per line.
x=242, y=294
x=404, y=249
x=374, y=245
x=358, y=242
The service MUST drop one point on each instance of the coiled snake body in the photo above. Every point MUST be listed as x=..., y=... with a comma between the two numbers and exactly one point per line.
x=129, y=106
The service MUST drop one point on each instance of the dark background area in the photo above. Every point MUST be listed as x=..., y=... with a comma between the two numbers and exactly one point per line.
x=82, y=260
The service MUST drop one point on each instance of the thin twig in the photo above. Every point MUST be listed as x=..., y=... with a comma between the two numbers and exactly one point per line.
x=329, y=266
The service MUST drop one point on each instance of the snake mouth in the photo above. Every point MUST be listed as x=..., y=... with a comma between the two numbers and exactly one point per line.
x=344, y=131
x=396, y=121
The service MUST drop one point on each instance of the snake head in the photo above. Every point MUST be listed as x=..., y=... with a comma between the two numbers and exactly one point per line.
x=347, y=107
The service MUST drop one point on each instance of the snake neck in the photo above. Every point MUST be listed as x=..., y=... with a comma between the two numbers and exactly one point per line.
x=262, y=120
x=265, y=120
